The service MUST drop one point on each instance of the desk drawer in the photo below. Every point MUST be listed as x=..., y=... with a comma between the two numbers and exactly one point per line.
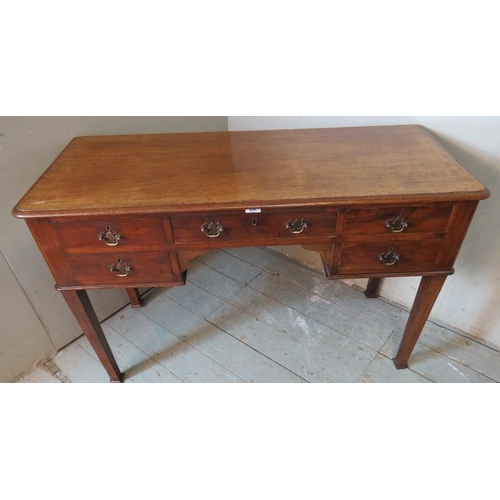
x=110, y=235
x=213, y=227
x=388, y=257
x=121, y=268
x=397, y=220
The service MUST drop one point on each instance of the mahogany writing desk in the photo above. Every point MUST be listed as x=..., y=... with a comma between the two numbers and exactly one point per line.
x=133, y=211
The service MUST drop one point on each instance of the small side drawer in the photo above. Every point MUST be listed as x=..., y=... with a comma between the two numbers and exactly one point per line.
x=110, y=235
x=140, y=268
x=400, y=256
x=302, y=224
x=397, y=220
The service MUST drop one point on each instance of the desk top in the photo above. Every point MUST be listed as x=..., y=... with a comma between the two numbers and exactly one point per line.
x=194, y=171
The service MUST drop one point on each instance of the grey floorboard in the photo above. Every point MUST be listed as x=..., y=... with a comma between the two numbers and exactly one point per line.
x=213, y=281
x=194, y=298
x=225, y=349
x=135, y=363
x=382, y=370
x=75, y=364
x=230, y=266
x=40, y=374
x=275, y=344
x=309, y=332
x=371, y=333
x=202, y=336
x=173, y=353
x=252, y=315
x=466, y=351
x=434, y=365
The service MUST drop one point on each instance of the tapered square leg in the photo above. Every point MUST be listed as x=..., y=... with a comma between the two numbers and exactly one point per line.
x=372, y=288
x=427, y=293
x=80, y=305
x=135, y=298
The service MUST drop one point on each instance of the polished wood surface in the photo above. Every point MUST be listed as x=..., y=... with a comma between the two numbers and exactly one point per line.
x=145, y=267
x=425, y=219
x=134, y=211
x=186, y=172
x=143, y=234
x=254, y=226
x=412, y=255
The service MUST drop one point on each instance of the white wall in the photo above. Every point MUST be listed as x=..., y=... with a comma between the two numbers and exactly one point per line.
x=34, y=319
x=23, y=339
x=470, y=300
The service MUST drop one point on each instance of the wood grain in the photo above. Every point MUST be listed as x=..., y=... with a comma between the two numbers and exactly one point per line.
x=137, y=234
x=155, y=191
x=425, y=219
x=146, y=267
x=427, y=293
x=244, y=227
x=183, y=172
x=414, y=256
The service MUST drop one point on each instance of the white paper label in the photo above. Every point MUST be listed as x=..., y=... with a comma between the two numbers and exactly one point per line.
x=253, y=210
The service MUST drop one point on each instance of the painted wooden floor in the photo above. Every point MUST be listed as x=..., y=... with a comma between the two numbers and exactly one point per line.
x=252, y=315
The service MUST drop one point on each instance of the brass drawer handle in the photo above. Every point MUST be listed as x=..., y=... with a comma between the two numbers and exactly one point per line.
x=397, y=225
x=120, y=269
x=110, y=238
x=212, y=229
x=390, y=257
x=296, y=226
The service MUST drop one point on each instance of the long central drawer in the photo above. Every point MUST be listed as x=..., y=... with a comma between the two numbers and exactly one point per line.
x=217, y=226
